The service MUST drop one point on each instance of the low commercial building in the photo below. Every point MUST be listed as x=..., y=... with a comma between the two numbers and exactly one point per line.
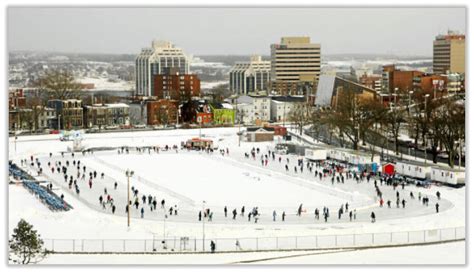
x=259, y=134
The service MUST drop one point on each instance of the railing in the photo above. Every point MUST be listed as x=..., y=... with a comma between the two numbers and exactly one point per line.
x=187, y=244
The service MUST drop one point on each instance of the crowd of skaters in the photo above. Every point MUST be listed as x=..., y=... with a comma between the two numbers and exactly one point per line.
x=337, y=172
x=86, y=179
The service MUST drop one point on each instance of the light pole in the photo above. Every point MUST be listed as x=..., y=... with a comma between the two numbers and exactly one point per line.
x=129, y=174
x=16, y=137
x=426, y=118
x=203, y=227
x=164, y=224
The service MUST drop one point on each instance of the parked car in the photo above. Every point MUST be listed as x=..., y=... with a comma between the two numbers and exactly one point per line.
x=139, y=126
x=111, y=127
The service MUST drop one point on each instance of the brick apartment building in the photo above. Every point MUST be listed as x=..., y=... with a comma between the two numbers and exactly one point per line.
x=176, y=86
x=162, y=112
x=395, y=80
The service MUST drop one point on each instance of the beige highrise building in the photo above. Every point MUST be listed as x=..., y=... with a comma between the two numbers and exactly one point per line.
x=449, y=53
x=294, y=62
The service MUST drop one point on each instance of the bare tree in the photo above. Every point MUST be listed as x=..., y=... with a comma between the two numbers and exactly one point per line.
x=59, y=84
x=300, y=115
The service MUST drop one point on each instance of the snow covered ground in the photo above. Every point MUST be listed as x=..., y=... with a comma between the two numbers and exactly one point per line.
x=187, y=178
x=449, y=253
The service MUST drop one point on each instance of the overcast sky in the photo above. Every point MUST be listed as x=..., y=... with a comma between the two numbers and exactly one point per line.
x=407, y=31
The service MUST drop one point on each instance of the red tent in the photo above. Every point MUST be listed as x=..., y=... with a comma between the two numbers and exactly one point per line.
x=388, y=168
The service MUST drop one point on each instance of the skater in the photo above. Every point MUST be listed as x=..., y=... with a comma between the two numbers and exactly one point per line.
x=225, y=212
x=213, y=247
x=199, y=216
x=316, y=214
x=437, y=207
x=372, y=216
x=242, y=211
x=234, y=214
x=300, y=209
x=274, y=215
x=237, y=245
x=142, y=211
x=350, y=216
x=115, y=185
x=438, y=194
x=250, y=215
x=283, y=217
x=210, y=216
x=113, y=209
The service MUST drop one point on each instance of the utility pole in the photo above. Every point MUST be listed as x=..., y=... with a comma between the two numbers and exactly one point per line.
x=426, y=119
x=129, y=174
x=203, y=227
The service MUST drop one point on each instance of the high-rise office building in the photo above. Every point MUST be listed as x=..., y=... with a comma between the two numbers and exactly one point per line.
x=246, y=77
x=449, y=53
x=155, y=61
x=293, y=61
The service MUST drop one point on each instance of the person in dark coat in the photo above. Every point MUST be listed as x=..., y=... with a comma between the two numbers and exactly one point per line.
x=213, y=247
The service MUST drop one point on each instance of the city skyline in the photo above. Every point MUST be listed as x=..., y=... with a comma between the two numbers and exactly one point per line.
x=240, y=31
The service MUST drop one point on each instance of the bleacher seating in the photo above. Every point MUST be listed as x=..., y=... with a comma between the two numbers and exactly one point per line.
x=51, y=200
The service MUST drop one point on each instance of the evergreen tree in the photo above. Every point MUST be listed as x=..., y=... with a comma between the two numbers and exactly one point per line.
x=26, y=246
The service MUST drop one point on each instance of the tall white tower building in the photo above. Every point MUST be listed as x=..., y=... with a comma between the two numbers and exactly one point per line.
x=156, y=60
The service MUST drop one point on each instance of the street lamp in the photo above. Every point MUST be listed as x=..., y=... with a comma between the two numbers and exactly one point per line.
x=203, y=227
x=129, y=174
x=426, y=118
x=164, y=224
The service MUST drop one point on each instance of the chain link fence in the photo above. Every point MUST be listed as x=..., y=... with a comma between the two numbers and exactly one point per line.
x=188, y=244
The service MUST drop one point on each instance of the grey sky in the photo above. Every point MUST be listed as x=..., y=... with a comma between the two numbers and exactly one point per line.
x=407, y=31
